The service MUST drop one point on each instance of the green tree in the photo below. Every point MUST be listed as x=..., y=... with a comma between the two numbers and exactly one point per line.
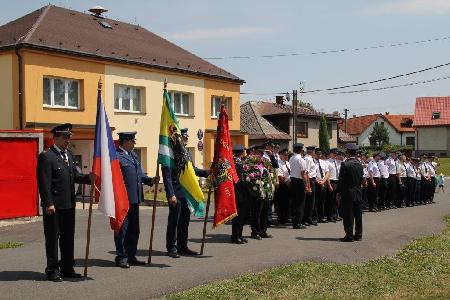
x=379, y=135
x=324, y=138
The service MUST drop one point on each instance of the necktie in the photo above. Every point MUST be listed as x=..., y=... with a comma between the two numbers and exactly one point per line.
x=337, y=171
x=320, y=169
x=289, y=170
x=64, y=157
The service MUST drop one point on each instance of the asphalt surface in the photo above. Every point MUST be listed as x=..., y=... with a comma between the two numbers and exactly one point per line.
x=22, y=277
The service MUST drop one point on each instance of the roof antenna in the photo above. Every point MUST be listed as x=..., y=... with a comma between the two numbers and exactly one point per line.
x=97, y=11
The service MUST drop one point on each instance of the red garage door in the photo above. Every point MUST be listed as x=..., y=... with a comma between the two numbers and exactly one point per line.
x=18, y=186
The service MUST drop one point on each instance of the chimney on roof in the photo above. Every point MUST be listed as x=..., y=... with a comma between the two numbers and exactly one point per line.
x=386, y=113
x=354, y=116
x=279, y=99
x=97, y=11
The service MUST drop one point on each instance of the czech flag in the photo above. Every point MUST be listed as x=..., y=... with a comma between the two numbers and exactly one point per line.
x=110, y=191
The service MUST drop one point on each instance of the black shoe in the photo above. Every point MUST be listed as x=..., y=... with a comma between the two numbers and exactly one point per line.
x=357, y=238
x=256, y=236
x=245, y=241
x=54, y=276
x=305, y=224
x=347, y=239
x=314, y=223
x=302, y=226
x=188, y=251
x=71, y=274
x=236, y=240
x=173, y=254
x=264, y=235
x=332, y=220
x=135, y=262
x=338, y=219
x=323, y=221
x=123, y=264
x=296, y=226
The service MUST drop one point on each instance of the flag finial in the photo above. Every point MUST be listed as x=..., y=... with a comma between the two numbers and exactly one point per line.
x=100, y=84
x=165, y=83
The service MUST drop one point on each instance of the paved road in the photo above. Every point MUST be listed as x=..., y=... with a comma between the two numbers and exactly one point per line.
x=21, y=270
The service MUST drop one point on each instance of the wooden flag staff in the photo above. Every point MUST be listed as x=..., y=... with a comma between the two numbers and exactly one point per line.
x=91, y=202
x=208, y=202
x=152, y=231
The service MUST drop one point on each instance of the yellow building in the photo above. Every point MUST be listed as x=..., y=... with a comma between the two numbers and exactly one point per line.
x=52, y=59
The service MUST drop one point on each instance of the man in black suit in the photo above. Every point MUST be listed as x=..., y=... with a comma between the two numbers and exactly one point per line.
x=56, y=176
x=350, y=191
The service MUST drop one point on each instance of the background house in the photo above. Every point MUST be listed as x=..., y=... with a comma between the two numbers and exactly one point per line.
x=400, y=128
x=432, y=123
x=272, y=121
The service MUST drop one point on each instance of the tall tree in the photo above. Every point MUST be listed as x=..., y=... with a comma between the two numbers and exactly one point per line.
x=324, y=138
x=379, y=135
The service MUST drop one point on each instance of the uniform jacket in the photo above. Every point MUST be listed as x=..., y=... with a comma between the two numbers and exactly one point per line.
x=56, y=179
x=133, y=176
x=350, y=178
x=172, y=181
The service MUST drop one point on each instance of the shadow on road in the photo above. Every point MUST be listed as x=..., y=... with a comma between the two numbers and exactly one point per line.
x=108, y=263
x=325, y=239
x=213, y=238
x=22, y=275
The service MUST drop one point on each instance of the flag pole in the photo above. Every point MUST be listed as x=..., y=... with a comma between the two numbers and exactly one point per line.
x=152, y=231
x=206, y=217
x=150, y=248
x=91, y=202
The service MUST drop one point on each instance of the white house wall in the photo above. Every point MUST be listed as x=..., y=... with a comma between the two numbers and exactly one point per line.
x=395, y=138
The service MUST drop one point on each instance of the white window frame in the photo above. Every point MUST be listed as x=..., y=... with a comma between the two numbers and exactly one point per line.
x=172, y=98
x=120, y=109
x=227, y=101
x=66, y=93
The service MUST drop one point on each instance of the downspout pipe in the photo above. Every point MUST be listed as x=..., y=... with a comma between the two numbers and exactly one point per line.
x=20, y=88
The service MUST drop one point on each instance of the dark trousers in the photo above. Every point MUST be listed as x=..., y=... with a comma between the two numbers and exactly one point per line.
x=424, y=190
x=59, y=227
x=127, y=239
x=418, y=192
x=352, y=212
x=373, y=192
x=310, y=202
x=178, y=226
x=432, y=188
x=298, y=200
x=243, y=206
x=402, y=192
x=383, y=194
x=331, y=201
x=283, y=200
x=321, y=194
x=259, y=215
x=393, y=189
x=410, y=191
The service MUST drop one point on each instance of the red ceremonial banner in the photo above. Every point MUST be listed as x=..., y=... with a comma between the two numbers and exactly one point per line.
x=224, y=173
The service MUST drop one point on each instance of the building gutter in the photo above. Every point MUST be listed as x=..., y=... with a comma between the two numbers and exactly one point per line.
x=20, y=86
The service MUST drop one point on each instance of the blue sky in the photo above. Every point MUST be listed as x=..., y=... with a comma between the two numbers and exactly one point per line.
x=261, y=27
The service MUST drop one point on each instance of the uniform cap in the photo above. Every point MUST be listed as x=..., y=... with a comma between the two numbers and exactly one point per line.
x=130, y=135
x=298, y=146
x=63, y=129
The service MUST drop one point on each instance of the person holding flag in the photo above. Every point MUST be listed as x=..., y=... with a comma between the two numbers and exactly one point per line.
x=127, y=238
x=180, y=180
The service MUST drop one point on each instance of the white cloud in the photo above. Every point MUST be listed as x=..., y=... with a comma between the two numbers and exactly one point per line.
x=411, y=7
x=220, y=33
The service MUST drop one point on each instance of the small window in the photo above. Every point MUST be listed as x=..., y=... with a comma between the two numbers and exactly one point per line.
x=330, y=129
x=436, y=115
x=127, y=99
x=382, y=124
x=61, y=93
x=410, y=141
x=181, y=103
x=216, y=102
x=302, y=129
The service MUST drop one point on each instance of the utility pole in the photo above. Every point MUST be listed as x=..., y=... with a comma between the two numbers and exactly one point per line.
x=345, y=119
x=294, y=117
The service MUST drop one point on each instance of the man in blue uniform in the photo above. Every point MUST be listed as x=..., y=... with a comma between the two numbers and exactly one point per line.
x=179, y=213
x=56, y=178
x=127, y=239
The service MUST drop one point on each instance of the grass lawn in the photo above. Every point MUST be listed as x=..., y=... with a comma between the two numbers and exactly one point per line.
x=421, y=270
x=444, y=167
x=6, y=245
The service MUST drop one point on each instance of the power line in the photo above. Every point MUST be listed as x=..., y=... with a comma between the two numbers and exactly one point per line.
x=385, y=46
x=358, y=84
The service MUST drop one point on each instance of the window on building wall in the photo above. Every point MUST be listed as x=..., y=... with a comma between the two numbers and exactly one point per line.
x=302, y=129
x=330, y=129
x=181, y=103
x=411, y=141
x=61, y=93
x=127, y=98
x=216, y=102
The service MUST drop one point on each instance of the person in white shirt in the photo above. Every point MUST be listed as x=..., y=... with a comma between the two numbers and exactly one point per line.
x=299, y=184
x=333, y=174
x=373, y=182
x=410, y=181
x=310, y=197
x=392, y=165
x=384, y=177
x=282, y=197
x=425, y=184
x=434, y=163
x=401, y=167
x=321, y=185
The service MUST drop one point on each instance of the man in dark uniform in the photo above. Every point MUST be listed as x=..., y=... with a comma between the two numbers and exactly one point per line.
x=127, y=239
x=242, y=197
x=350, y=192
x=56, y=177
x=179, y=213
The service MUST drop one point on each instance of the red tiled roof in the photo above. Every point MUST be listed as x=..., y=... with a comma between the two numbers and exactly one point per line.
x=426, y=106
x=400, y=122
x=70, y=32
x=270, y=108
x=356, y=125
